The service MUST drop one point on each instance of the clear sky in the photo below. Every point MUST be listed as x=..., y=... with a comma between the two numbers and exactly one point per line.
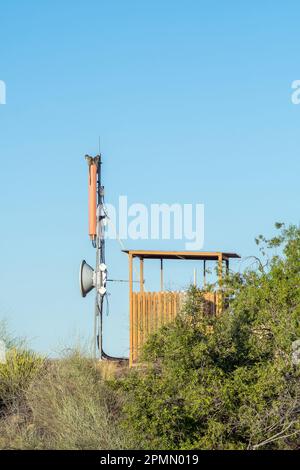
x=192, y=100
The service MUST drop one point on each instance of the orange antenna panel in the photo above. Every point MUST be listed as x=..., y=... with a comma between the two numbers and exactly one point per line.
x=92, y=195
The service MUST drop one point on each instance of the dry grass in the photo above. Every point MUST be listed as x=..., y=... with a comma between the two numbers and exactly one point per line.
x=69, y=404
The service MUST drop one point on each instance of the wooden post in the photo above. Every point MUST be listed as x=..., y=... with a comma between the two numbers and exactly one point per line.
x=144, y=316
x=204, y=274
x=130, y=312
x=161, y=275
x=220, y=278
x=142, y=274
x=137, y=326
x=220, y=268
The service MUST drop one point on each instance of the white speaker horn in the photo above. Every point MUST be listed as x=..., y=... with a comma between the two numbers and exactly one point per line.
x=86, y=278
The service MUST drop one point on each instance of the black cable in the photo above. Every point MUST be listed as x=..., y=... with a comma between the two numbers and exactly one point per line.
x=103, y=353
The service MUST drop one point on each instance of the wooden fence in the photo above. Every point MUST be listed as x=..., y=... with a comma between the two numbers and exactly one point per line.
x=151, y=310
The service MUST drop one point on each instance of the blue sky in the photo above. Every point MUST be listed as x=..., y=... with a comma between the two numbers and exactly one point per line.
x=193, y=104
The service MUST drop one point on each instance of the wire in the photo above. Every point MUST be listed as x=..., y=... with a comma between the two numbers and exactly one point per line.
x=102, y=352
x=107, y=305
x=118, y=237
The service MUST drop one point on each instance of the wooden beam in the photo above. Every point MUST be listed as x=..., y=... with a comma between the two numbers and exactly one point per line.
x=220, y=269
x=227, y=267
x=201, y=255
x=131, y=326
x=161, y=275
x=141, y=275
x=220, y=279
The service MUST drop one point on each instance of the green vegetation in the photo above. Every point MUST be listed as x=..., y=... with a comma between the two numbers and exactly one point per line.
x=204, y=382
x=16, y=375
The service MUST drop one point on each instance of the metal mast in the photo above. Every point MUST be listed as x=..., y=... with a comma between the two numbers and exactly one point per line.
x=100, y=260
x=99, y=275
x=90, y=278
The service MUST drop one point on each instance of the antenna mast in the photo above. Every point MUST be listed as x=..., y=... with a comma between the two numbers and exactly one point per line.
x=96, y=232
x=90, y=278
x=100, y=257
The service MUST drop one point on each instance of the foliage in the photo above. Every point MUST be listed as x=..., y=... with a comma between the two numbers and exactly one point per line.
x=21, y=367
x=228, y=382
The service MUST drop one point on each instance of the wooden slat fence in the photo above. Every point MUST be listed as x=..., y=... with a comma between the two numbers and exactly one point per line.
x=151, y=310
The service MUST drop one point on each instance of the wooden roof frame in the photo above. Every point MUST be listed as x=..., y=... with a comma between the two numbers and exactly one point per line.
x=204, y=256
x=185, y=255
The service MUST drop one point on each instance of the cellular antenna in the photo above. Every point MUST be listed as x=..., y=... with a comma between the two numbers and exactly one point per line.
x=90, y=278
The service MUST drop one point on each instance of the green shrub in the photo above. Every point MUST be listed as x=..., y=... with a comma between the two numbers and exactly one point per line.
x=17, y=373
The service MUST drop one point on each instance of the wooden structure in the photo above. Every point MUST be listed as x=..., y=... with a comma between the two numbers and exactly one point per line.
x=150, y=310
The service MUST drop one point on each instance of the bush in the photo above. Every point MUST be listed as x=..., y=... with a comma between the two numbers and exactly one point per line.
x=16, y=374
x=229, y=382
